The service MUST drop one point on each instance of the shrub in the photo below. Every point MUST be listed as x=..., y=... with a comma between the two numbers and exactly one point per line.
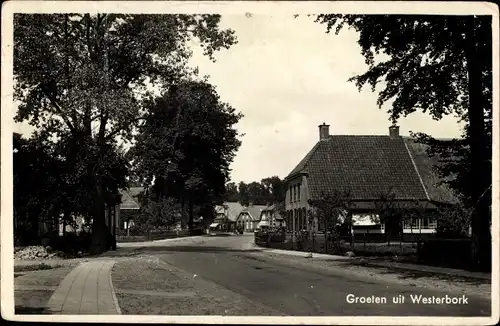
x=454, y=253
x=71, y=243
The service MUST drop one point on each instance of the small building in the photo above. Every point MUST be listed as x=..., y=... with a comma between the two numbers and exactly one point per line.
x=129, y=207
x=249, y=217
x=225, y=217
x=270, y=217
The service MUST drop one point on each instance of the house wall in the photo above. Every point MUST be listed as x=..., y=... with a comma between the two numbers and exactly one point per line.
x=297, y=206
x=245, y=220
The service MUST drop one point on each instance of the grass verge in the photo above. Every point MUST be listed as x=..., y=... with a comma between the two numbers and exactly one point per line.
x=31, y=302
x=35, y=267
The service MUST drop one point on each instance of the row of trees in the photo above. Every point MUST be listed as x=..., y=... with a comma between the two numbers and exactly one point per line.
x=268, y=191
x=86, y=83
x=51, y=183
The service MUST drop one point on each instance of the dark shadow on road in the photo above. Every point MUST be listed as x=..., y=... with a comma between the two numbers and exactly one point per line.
x=23, y=310
x=414, y=275
x=130, y=252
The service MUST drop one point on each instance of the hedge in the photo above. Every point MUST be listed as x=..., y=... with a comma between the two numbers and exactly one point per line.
x=454, y=253
x=157, y=235
x=443, y=252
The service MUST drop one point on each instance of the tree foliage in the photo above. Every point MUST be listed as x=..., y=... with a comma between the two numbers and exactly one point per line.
x=163, y=213
x=186, y=144
x=51, y=182
x=270, y=190
x=231, y=193
x=439, y=65
x=82, y=78
x=331, y=210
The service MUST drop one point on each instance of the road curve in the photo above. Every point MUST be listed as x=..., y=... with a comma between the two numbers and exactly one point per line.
x=300, y=290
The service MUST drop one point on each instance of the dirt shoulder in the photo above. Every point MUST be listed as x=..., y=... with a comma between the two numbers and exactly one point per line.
x=454, y=284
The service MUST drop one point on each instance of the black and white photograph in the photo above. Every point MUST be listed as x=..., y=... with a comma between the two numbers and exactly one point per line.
x=250, y=162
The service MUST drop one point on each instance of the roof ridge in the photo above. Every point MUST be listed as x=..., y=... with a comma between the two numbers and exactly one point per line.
x=416, y=170
x=304, y=162
x=358, y=135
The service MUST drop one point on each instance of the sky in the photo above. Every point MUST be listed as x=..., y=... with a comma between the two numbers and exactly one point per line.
x=287, y=76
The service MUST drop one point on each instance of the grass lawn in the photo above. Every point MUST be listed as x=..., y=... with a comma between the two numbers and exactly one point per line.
x=31, y=302
x=144, y=275
x=45, y=277
x=34, y=267
x=29, y=298
x=149, y=286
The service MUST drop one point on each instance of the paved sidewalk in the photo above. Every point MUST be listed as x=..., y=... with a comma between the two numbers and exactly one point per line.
x=88, y=290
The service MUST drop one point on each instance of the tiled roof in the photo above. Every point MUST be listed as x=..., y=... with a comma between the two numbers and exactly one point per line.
x=233, y=209
x=274, y=209
x=129, y=198
x=366, y=166
x=437, y=192
x=254, y=211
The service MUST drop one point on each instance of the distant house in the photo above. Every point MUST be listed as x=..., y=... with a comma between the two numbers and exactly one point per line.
x=225, y=216
x=130, y=206
x=366, y=167
x=270, y=217
x=249, y=217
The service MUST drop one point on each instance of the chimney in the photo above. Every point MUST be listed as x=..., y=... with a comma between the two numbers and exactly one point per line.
x=394, y=131
x=324, y=131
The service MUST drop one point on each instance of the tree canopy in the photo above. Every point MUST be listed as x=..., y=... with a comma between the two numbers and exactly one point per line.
x=84, y=79
x=186, y=144
x=270, y=190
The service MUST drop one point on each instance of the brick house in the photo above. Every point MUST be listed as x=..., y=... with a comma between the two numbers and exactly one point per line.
x=225, y=216
x=366, y=167
x=249, y=217
x=129, y=206
x=271, y=217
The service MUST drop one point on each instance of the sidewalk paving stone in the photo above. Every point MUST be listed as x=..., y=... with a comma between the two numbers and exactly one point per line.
x=86, y=290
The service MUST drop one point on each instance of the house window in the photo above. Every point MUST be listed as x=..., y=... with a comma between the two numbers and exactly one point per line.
x=411, y=224
x=290, y=190
x=298, y=191
x=424, y=223
x=428, y=223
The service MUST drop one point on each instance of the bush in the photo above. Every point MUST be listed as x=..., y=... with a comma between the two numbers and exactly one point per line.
x=71, y=243
x=270, y=236
x=453, y=253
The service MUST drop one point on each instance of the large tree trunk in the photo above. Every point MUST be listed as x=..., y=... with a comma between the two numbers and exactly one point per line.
x=191, y=217
x=100, y=232
x=34, y=223
x=480, y=219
